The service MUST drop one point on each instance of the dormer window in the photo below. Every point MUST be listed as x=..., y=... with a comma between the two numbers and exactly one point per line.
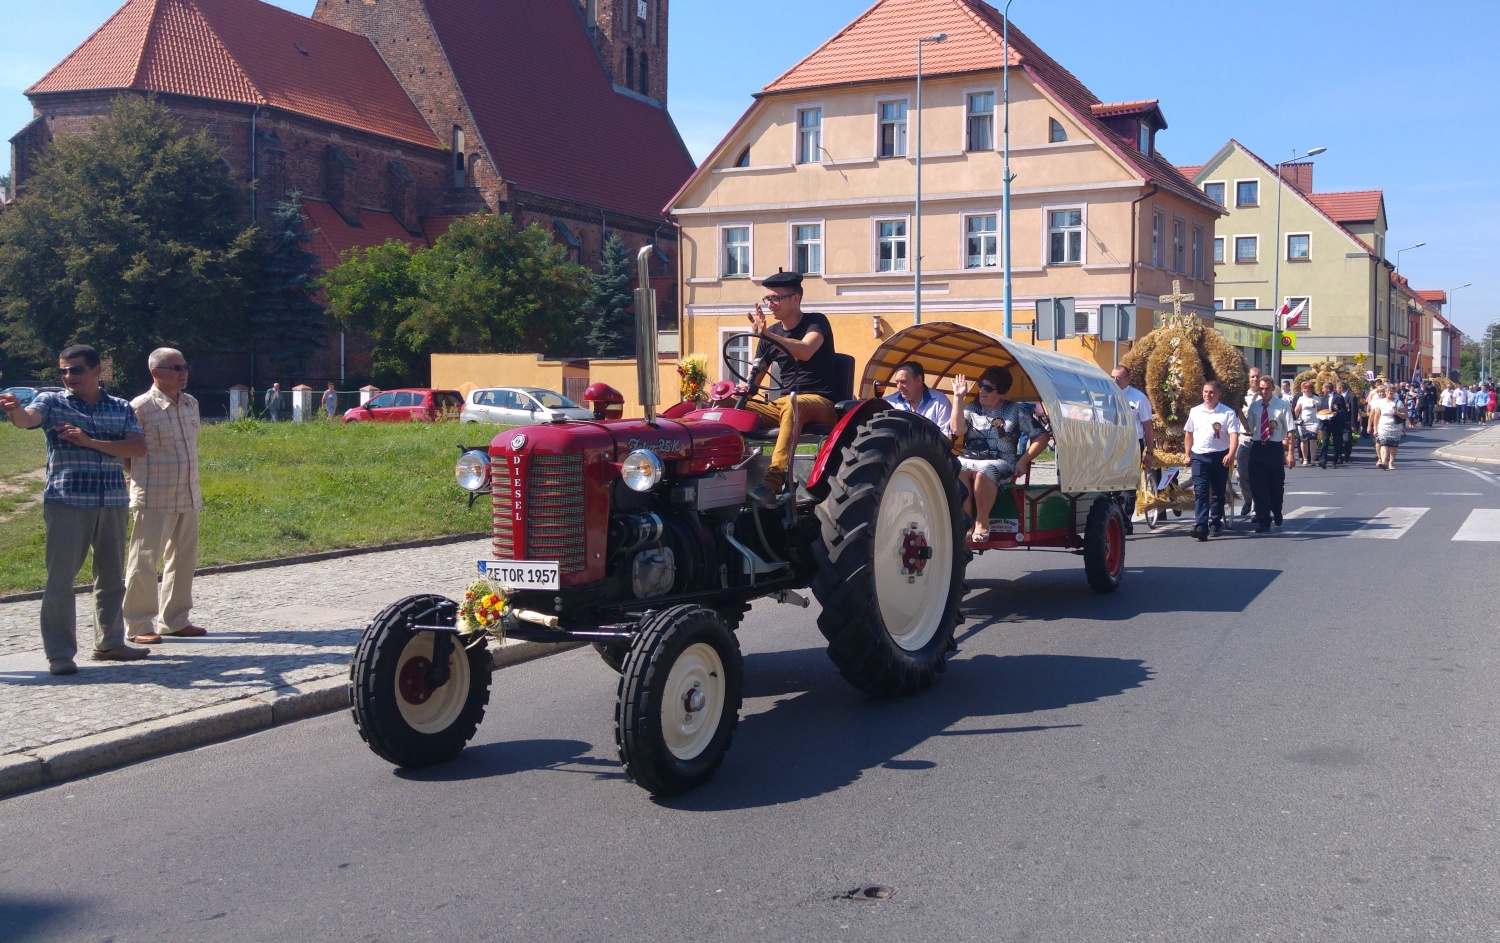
x=1144, y=136
x=1056, y=133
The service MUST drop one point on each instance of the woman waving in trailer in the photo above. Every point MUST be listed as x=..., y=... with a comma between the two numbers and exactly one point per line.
x=991, y=428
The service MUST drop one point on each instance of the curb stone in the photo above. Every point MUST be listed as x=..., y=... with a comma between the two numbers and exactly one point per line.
x=72, y=759
x=1451, y=456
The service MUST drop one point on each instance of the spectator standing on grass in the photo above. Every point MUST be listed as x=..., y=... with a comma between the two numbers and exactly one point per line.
x=165, y=499
x=1211, y=437
x=273, y=402
x=89, y=436
x=330, y=401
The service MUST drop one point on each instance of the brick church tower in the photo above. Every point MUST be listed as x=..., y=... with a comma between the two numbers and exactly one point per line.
x=631, y=36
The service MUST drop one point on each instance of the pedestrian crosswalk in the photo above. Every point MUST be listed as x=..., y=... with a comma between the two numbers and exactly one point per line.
x=1482, y=524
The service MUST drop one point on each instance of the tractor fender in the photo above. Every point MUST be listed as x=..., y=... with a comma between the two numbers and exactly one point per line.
x=827, y=463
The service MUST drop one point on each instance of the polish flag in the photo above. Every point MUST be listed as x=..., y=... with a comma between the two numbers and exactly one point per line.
x=1293, y=315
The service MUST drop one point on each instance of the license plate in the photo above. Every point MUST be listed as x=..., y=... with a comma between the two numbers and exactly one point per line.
x=521, y=574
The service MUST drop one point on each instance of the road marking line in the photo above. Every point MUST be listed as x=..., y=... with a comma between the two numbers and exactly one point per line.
x=1482, y=476
x=1458, y=494
x=1300, y=519
x=1482, y=524
x=1390, y=524
x=1310, y=492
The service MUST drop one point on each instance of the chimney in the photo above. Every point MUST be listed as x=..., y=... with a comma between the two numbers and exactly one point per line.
x=1298, y=175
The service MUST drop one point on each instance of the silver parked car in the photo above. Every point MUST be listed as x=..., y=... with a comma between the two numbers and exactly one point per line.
x=519, y=406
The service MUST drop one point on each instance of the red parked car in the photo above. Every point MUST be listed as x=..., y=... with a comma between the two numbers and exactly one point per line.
x=421, y=405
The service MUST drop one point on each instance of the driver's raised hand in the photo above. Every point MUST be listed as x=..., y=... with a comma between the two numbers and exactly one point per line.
x=757, y=320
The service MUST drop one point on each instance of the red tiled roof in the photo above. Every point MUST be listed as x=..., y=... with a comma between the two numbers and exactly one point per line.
x=243, y=51
x=880, y=45
x=1190, y=171
x=334, y=236
x=1115, y=109
x=436, y=227
x=1354, y=206
x=547, y=111
x=1434, y=296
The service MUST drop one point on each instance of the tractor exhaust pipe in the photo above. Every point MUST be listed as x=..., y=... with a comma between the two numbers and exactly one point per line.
x=645, y=334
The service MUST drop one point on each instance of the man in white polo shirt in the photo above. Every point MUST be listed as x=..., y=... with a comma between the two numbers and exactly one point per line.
x=1140, y=407
x=1211, y=436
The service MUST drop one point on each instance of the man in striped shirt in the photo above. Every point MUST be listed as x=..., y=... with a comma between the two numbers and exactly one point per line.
x=89, y=436
x=164, y=502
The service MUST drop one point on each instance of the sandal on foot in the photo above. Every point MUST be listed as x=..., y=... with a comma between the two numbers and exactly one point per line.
x=980, y=534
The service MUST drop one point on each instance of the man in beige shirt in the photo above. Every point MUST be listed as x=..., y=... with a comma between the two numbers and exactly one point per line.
x=164, y=502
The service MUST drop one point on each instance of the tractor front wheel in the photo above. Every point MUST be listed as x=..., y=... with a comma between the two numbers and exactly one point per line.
x=403, y=716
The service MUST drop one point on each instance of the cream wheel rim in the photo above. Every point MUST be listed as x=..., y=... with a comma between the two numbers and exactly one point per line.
x=913, y=599
x=693, y=701
x=440, y=707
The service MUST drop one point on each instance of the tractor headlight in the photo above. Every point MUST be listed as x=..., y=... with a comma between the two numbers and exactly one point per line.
x=642, y=470
x=472, y=471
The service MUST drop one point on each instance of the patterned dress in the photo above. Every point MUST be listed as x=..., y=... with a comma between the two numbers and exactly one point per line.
x=991, y=444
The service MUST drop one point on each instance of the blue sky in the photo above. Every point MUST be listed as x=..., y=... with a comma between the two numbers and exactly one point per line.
x=1403, y=95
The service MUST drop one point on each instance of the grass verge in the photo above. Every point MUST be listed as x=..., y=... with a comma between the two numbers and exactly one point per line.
x=277, y=490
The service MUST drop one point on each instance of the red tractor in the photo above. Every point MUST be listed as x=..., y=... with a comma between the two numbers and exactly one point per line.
x=640, y=537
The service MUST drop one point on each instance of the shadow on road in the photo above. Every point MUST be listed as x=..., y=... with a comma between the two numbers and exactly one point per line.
x=1052, y=595
x=30, y=918
x=487, y=760
x=824, y=736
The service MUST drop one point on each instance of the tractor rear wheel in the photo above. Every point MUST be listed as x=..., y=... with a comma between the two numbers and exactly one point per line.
x=679, y=699
x=892, y=556
x=399, y=714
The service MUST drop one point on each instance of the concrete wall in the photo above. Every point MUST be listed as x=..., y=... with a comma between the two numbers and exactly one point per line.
x=466, y=372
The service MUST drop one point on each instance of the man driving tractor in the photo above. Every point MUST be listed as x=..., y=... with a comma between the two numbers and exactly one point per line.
x=813, y=375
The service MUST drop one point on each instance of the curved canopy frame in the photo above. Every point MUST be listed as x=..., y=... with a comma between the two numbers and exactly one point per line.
x=1092, y=424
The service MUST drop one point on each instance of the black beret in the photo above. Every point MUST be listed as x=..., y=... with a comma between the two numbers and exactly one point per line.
x=792, y=280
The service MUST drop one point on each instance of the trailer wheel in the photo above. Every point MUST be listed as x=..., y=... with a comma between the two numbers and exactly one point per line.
x=892, y=556
x=398, y=714
x=679, y=699
x=1104, y=545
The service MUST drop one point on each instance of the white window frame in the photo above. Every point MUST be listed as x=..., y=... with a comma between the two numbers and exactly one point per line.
x=1221, y=183
x=1223, y=250
x=1249, y=235
x=1237, y=203
x=723, y=249
x=1287, y=247
x=994, y=94
x=797, y=133
x=1199, y=231
x=1306, y=323
x=791, y=241
x=1083, y=228
x=963, y=239
x=1179, y=244
x=1218, y=304
x=906, y=239
x=904, y=127
x=1158, y=237
x=724, y=333
x=1234, y=304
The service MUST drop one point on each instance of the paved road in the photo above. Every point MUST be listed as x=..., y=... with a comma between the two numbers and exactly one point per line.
x=1258, y=738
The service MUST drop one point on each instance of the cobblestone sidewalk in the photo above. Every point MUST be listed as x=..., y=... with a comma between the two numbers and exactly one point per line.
x=270, y=630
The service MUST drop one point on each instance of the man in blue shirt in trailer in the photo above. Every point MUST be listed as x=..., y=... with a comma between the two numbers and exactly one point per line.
x=913, y=395
x=84, y=506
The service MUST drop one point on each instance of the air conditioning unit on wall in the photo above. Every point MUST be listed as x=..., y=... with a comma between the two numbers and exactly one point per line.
x=1086, y=322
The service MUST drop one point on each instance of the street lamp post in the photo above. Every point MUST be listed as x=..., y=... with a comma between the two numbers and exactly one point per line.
x=917, y=216
x=1390, y=319
x=1005, y=191
x=1276, y=304
x=1449, y=353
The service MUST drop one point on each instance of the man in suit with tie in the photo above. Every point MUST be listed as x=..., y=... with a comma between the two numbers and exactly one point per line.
x=1269, y=431
x=1333, y=425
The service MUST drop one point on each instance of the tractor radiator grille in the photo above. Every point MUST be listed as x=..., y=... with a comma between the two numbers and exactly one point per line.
x=553, y=509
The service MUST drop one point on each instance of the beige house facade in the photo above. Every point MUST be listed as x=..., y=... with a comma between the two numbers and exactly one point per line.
x=820, y=176
x=1331, y=253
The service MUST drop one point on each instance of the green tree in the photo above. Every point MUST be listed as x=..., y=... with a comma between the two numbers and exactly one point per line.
x=612, y=333
x=485, y=287
x=127, y=238
x=376, y=289
x=286, y=322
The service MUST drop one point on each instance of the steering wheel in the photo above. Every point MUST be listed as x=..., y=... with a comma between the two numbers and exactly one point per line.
x=778, y=385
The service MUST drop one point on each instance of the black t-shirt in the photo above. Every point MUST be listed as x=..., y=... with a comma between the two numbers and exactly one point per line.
x=817, y=374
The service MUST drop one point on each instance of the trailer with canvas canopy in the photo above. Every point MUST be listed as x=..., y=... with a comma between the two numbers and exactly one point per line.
x=1092, y=428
